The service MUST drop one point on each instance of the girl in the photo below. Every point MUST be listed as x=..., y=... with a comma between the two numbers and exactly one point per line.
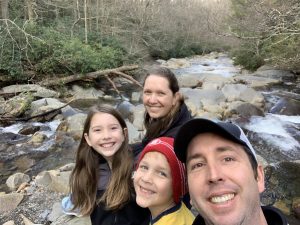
x=100, y=183
x=159, y=182
x=165, y=107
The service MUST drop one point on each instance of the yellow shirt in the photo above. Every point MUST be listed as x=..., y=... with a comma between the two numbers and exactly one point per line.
x=177, y=215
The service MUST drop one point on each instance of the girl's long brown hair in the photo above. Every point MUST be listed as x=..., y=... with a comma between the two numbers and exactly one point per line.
x=85, y=176
x=155, y=126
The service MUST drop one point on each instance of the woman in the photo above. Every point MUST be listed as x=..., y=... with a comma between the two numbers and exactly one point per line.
x=165, y=107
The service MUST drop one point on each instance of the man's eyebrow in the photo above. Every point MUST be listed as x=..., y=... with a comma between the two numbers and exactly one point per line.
x=219, y=149
x=194, y=156
x=225, y=148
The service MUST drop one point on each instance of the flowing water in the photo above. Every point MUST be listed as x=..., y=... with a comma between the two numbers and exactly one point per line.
x=275, y=137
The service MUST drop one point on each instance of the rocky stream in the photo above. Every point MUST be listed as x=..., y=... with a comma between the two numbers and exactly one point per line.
x=36, y=157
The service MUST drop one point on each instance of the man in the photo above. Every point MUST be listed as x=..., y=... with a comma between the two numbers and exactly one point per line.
x=224, y=177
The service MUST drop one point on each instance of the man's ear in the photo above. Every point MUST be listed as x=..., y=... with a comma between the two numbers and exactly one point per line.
x=260, y=178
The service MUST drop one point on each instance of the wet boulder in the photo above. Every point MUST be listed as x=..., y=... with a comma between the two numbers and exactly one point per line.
x=16, y=106
x=286, y=106
x=256, y=81
x=242, y=109
x=282, y=184
x=240, y=92
x=126, y=110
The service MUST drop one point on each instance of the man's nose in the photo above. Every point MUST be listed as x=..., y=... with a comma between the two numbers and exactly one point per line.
x=214, y=173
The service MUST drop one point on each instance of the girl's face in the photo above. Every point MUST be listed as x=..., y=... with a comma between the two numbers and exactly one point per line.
x=158, y=98
x=105, y=135
x=153, y=183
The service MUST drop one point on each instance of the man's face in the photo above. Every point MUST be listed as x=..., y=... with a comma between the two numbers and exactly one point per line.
x=221, y=181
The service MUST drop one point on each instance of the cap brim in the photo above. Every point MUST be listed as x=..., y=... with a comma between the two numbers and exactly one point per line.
x=194, y=127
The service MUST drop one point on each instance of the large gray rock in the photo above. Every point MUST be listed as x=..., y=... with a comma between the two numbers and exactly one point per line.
x=37, y=90
x=75, y=124
x=256, y=81
x=138, y=116
x=266, y=71
x=215, y=81
x=15, y=106
x=282, y=185
x=240, y=92
x=46, y=104
x=72, y=220
x=126, y=110
x=174, y=63
x=11, y=222
x=286, y=106
x=242, y=109
x=9, y=202
x=134, y=134
x=54, y=180
x=15, y=180
x=83, y=93
x=56, y=212
x=190, y=80
x=208, y=100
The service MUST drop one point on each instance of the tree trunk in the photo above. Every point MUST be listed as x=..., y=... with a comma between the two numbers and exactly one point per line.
x=4, y=9
x=30, y=12
x=85, y=22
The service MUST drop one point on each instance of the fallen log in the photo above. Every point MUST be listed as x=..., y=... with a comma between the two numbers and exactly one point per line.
x=120, y=71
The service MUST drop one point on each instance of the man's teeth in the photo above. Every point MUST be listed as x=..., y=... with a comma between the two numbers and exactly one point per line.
x=221, y=199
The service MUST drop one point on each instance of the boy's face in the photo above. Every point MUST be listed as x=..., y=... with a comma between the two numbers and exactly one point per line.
x=153, y=183
x=221, y=181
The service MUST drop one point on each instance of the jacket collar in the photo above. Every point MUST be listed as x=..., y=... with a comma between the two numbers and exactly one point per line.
x=272, y=215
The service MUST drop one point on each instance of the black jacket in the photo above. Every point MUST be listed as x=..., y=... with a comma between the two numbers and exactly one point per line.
x=130, y=214
x=183, y=116
x=272, y=215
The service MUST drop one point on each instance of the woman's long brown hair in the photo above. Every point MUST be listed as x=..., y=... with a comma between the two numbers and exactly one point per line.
x=85, y=176
x=155, y=126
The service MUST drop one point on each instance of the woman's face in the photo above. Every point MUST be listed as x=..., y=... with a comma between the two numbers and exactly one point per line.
x=153, y=183
x=105, y=135
x=158, y=98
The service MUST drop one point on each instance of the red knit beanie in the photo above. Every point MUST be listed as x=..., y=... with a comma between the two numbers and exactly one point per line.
x=164, y=145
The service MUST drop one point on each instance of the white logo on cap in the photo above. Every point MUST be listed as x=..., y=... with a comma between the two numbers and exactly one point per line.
x=158, y=141
x=245, y=139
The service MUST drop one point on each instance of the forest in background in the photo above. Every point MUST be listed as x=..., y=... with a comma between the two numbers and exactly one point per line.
x=51, y=38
